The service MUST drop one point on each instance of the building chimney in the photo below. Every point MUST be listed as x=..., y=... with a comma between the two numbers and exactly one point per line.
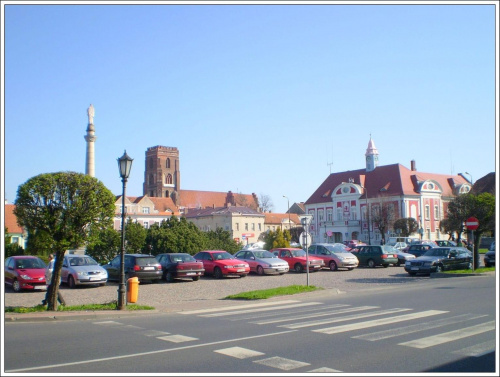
x=413, y=166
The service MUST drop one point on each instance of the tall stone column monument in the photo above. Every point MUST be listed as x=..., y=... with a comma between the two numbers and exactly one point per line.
x=90, y=138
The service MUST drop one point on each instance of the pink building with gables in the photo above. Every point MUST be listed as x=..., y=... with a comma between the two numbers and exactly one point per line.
x=339, y=205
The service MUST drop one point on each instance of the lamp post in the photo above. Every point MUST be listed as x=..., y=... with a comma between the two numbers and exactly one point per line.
x=367, y=213
x=289, y=221
x=124, y=166
x=306, y=238
x=470, y=175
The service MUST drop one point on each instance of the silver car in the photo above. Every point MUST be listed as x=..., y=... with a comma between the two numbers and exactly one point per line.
x=334, y=255
x=81, y=270
x=263, y=262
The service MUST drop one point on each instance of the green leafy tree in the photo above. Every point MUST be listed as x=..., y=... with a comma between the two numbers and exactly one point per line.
x=407, y=225
x=275, y=239
x=450, y=227
x=39, y=243
x=175, y=236
x=383, y=214
x=11, y=248
x=135, y=237
x=105, y=245
x=66, y=207
x=221, y=239
x=482, y=207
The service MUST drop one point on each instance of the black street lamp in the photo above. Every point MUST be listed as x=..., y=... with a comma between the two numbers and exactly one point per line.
x=289, y=221
x=124, y=165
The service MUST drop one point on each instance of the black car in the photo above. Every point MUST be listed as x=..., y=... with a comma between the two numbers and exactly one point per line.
x=142, y=266
x=180, y=266
x=489, y=257
x=418, y=249
x=439, y=259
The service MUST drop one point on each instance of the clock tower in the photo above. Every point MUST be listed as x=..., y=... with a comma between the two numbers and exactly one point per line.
x=371, y=156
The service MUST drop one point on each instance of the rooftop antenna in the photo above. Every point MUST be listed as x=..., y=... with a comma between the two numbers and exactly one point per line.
x=330, y=163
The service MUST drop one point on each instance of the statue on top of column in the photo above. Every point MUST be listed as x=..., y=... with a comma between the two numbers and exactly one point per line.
x=90, y=113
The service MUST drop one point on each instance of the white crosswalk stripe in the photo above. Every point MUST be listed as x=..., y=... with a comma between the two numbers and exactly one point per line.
x=344, y=318
x=393, y=332
x=253, y=310
x=316, y=315
x=243, y=306
x=478, y=349
x=450, y=336
x=378, y=322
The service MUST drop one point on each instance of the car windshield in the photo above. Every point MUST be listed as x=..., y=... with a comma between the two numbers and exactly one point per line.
x=436, y=252
x=263, y=254
x=222, y=255
x=387, y=249
x=298, y=253
x=29, y=263
x=82, y=261
x=336, y=248
x=182, y=258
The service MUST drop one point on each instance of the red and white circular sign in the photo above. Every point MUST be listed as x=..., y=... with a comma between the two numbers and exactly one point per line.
x=472, y=223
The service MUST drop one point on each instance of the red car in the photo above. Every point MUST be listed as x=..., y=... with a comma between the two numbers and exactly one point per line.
x=296, y=259
x=179, y=266
x=25, y=272
x=220, y=263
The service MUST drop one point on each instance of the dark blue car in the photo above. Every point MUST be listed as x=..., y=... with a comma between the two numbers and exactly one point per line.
x=440, y=259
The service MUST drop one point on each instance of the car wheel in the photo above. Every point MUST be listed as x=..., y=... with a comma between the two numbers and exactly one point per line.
x=71, y=282
x=439, y=268
x=371, y=263
x=169, y=277
x=16, y=286
x=333, y=266
x=217, y=273
x=196, y=278
x=260, y=270
x=298, y=267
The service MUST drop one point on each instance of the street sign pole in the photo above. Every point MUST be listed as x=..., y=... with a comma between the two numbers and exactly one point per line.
x=472, y=224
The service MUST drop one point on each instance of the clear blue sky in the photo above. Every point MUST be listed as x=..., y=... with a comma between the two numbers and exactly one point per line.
x=265, y=99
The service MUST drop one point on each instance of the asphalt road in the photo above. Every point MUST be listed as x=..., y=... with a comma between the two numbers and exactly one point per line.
x=422, y=325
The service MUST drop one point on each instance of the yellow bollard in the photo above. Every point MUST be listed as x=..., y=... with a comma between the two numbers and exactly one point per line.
x=132, y=289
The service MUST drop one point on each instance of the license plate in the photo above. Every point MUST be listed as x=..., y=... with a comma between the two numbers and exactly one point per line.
x=240, y=270
x=148, y=268
x=191, y=273
x=281, y=269
x=414, y=268
x=40, y=287
x=92, y=279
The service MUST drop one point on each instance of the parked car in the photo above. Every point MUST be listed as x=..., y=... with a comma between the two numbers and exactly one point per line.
x=398, y=245
x=445, y=243
x=297, y=259
x=440, y=259
x=263, y=262
x=180, y=266
x=489, y=257
x=353, y=243
x=403, y=257
x=82, y=270
x=373, y=255
x=220, y=263
x=418, y=249
x=142, y=266
x=25, y=272
x=334, y=256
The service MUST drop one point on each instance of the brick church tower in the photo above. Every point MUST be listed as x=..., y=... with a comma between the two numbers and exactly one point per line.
x=162, y=177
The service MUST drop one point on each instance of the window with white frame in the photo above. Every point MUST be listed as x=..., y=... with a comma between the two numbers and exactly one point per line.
x=339, y=216
x=354, y=212
x=253, y=226
x=237, y=227
x=260, y=227
x=436, y=213
x=321, y=215
x=146, y=225
x=145, y=210
x=329, y=215
x=246, y=226
x=427, y=212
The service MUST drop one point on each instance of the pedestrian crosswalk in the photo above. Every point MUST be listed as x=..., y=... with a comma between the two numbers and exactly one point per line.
x=374, y=322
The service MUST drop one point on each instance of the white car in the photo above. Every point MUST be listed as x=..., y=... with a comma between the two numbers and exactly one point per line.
x=80, y=269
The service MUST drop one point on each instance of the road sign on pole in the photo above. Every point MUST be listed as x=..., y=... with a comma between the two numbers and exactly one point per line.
x=472, y=223
x=305, y=239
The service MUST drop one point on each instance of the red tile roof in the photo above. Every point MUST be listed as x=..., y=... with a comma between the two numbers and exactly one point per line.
x=11, y=220
x=396, y=179
x=204, y=199
x=279, y=218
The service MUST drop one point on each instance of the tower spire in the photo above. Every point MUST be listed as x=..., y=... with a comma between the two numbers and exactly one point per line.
x=90, y=138
x=371, y=155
